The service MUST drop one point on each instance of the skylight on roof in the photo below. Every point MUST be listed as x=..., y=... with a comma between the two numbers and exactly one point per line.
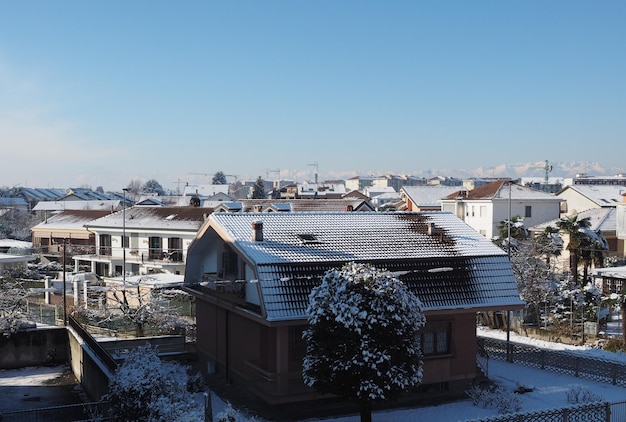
x=307, y=238
x=170, y=217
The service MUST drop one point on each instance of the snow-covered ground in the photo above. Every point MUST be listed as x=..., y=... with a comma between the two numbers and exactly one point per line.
x=549, y=392
x=549, y=389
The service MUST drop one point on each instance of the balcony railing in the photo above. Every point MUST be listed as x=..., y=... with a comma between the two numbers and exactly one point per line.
x=132, y=255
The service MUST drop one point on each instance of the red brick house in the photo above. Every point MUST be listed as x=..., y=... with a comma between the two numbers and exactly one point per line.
x=252, y=274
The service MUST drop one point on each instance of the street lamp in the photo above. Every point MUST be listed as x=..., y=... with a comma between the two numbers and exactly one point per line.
x=64, y=285
x=124, y=237
x=508, y=312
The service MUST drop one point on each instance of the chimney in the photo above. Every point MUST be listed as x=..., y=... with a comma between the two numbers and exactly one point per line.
x=431, y=229
x=257, y=231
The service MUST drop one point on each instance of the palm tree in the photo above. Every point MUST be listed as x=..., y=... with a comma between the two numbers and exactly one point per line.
x=548, y=244
x=593, y=250
x=576, y=230
x=514, y=227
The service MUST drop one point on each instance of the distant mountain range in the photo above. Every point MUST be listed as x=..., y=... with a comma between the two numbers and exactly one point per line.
x=531, y=169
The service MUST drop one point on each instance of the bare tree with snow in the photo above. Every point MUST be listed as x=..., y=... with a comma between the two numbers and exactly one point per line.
x=13, y=304
x=140, y=305
x=533, y=277
x=363, y=337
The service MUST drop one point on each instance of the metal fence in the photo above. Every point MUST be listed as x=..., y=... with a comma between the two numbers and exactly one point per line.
x=596, y=412
x=560, y=362
x=68, y=413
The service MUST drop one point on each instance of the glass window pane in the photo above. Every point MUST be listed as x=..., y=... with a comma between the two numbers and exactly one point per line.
x=428, y=346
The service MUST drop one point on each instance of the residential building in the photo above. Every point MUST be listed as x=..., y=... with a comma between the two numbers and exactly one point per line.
x=602, y=220
x=358, y=183
x=474, y=182
x=620, y=216
x=425, y=198
x=66, y=227
x=295, y=205
x=143, y=240
x=584, y=179
x=610, y=281
x=554, y=184
x=252, y=275
x=484, y=208
x=577, y=198
x=13, y=203
x=33, y=195
x=444, y=181
x=320, y=190
x=205, y=191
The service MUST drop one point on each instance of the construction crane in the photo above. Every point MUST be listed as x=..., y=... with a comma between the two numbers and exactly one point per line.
x=235, y=176
x=277, y=171
x=316, y=169
x=178, y=182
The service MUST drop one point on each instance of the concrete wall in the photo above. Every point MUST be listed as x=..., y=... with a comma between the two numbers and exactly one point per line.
x=87, y=368
x=39, y=346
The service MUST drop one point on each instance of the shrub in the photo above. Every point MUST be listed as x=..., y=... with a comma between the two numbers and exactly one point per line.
x=502, y=400
x=580, y=395
x=613, y=345
x=231, y=415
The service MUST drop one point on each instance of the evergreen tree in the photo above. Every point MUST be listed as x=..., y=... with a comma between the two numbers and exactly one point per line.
x=219, y=178
x=152, y=186
x=258, y=190
x=363, y=338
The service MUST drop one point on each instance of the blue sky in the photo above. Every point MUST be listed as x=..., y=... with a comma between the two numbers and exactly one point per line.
x=101, y=92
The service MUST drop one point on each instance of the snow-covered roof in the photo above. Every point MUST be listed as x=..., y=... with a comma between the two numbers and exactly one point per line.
x=86, y=194
x=41, y=194
x=429, y=195
x=298, y=205
x=15, y=259
x=443, y=260
x=205, y=190
x=70, y=220
x=603, y=195
x=157, y=280
x=603, y=219
x=502, y=189
x=12, y=244
x=13, y=202
x=372, y=191
x=158, y=218
x=77, y=205
x=610, y=272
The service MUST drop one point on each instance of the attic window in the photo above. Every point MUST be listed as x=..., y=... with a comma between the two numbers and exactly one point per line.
x=308, y=238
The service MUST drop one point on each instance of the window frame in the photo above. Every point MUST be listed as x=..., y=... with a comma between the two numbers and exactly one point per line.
x=437, y=337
